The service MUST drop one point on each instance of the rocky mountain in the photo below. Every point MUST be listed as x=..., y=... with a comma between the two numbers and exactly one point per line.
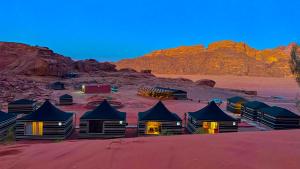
x=22, y=59
x=219, y=58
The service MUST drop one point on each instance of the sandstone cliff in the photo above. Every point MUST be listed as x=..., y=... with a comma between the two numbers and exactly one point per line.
x=219, y=58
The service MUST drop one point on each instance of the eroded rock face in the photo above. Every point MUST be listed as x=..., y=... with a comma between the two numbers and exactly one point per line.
x=92, y=65
x=22, y=59
x=220, y=58
x=19, y=58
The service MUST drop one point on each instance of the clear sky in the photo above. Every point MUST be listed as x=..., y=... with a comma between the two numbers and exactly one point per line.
x=114, y=29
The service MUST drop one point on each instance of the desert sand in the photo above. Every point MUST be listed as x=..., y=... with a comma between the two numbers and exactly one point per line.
x=266, y=86
x=251, y=150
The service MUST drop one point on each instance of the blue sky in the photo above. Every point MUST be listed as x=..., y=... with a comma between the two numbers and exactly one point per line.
x=111, y=30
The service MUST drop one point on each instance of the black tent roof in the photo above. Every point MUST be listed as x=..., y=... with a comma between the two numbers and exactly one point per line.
x=211, y=112
x=47, y=112
x=158, y=112
x=279, y=112
x=66, y=96
x=255, y=105
x=237, y=99
x=22, y=101
x=5, y=116
x=106, y=112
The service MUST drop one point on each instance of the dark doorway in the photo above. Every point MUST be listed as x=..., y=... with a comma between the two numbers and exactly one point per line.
x=95, y=126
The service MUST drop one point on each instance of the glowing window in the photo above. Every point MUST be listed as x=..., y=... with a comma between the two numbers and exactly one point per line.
x=34, y=128
x=153, y=128
x=210, y=127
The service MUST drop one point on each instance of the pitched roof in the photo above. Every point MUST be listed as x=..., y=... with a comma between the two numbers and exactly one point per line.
x=104, y=111
x=158, y=112
x=255, y=105
x=211, y=112
x=237, y=99
x=279, y=112
x=5, y=116
x=66, y=96
x=47, y=112
x=22, y=101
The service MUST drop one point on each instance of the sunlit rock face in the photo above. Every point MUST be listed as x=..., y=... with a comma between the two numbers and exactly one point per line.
x=219, y=58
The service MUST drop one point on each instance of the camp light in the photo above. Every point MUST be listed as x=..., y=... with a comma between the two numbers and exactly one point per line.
x=178, y=123
x=121, y=122
x=234, y=123
x=59, y=123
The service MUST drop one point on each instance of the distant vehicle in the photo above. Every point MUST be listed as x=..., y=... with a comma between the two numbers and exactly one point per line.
x=218, y=101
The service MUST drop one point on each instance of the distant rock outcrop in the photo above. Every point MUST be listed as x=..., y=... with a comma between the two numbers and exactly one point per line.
x=22, y=59
x=206, y=82
x=220, y=58
x=92, y=65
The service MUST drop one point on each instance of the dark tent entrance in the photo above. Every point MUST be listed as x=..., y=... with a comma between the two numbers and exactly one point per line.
x=153, y=128
x=95, y=126
x=210, y=127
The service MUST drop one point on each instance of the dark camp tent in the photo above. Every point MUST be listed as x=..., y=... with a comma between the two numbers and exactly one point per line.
x=47, y=122
x=58, y=86
x=159, y=120
x=211, y=119
x=249, y=109
x=66, y=100
x=7, y=121
x=234, y=104
x=278, y=118
x=22, y=106
x=103, y=122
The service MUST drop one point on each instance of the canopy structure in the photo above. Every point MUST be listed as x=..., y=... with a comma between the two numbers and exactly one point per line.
x=211, y=112
x=249, y=109
x=278, y=118
x=103, y=122
x=211, y=119
x=22, y=106
x=158, y=112
x=47, y=112
x=105, y=112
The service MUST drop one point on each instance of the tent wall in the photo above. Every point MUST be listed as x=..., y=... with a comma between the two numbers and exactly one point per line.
x=5, y=126
x=51, y=130
x=167, y=127
x=278, y=123
x=224, y=126
x=111, y=129
x=249, y=113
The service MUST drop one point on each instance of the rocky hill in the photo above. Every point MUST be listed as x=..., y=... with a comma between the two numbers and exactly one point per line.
x=219, y=58
x=18, y=58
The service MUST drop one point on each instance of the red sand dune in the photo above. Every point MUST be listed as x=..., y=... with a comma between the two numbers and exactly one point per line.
x=250, y=150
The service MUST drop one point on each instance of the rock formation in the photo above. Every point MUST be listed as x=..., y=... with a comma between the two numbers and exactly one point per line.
x=219, y=58
x=22, y=59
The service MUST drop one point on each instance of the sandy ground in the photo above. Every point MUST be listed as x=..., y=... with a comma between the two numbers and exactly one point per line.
x=251, y=150
x=265, y=86
x=247, y=150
